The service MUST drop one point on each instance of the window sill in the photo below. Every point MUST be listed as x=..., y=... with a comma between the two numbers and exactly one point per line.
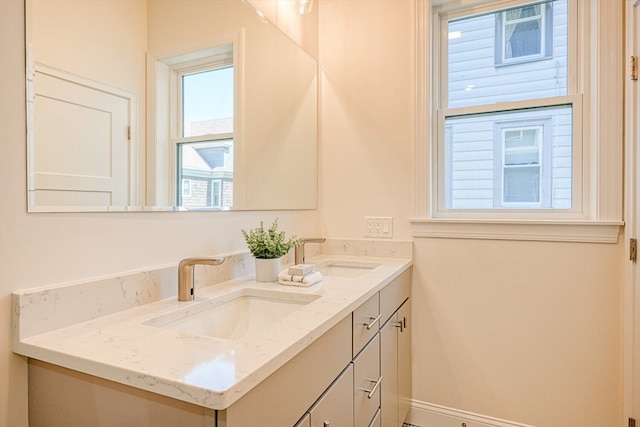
x=541, y=230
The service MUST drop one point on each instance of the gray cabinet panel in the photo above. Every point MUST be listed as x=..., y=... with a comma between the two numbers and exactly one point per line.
x=335, y=407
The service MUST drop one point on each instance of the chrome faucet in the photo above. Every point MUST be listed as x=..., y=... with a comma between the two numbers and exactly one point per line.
x=299, y=254
x=186, y=290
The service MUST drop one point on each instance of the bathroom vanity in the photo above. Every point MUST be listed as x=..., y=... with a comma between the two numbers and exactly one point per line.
x=337, y=353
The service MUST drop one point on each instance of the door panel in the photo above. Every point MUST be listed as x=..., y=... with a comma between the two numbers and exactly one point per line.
x=85, y=164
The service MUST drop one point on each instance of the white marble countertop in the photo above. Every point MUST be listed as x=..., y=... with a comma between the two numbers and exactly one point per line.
x=206, y=371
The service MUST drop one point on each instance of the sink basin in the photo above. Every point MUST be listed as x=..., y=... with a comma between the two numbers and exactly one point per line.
x=234, y=315
x=345, y=269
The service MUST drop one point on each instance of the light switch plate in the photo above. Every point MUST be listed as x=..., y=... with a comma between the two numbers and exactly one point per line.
x=378, y=226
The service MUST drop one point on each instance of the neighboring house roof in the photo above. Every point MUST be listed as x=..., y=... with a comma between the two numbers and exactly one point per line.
x=209, y=127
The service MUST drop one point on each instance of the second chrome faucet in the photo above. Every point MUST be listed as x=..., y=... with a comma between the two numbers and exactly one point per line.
x=299, y=249
x=186, y=291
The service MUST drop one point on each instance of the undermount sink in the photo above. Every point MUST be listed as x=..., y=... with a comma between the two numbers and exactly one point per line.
x=235, y=315
x=345, y=269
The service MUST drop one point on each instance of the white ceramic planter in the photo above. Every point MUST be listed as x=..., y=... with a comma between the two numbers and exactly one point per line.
x=267, y=270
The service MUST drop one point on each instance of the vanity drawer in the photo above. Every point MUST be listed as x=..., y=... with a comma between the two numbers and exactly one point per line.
x=366, y=321
x=335, y=406
x=367, y=383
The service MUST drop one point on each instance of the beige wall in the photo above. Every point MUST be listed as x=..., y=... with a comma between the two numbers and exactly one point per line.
x=112, y=49
x=524, y=331
x=366, y=127
x=528, y=332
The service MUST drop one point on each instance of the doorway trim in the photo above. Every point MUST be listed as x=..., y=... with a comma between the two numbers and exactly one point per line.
x=631, y=294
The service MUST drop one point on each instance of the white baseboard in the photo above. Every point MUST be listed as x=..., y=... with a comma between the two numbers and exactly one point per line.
x=424, y=414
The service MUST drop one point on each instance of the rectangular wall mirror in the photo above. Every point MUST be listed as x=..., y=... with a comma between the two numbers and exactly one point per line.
x=167, y=105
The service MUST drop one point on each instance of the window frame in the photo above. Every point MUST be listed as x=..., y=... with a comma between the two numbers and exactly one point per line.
x=574, y=97
x=600, y=216
x=164, y=127
x=208, y=63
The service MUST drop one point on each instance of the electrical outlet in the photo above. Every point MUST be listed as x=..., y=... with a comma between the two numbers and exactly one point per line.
x=378, y=226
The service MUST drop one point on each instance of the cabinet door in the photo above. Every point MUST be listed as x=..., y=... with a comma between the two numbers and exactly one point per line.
x=367, y=382
x=389, y=371
x=404, y=360
x=335, y=406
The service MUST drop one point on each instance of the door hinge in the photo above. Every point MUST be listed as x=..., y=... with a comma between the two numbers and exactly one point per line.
x=632, y=422
x=633, y=250
x=129, y=133
x=634, y=67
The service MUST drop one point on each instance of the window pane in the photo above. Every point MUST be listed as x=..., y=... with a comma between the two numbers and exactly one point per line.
x=186, y=187
x=521, y=138
x=522, y=157
x=523, y=32
x=509, y=157
x=522, y=185
x=524, y=39
x=207, y=102
x=208, y=167
x=216, y=193
x=511, y=55
x=522, y=147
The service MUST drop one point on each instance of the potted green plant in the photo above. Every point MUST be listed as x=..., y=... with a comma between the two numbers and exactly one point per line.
x=268, y=247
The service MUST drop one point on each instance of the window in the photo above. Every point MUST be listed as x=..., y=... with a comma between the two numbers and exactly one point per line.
x=524, y=34
x=192, y=108
x=488, y=163
x=509, y=136
x=186, y=187
x=216, y=193
x=205, y=148
x=521, y=169
x=521, y=160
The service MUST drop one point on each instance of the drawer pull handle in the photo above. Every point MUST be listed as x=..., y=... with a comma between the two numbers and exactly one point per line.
x=374, y=388
x=326, y=423
x=374, y=320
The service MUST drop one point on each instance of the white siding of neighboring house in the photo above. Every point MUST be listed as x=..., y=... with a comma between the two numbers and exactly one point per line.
x=473, y=169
